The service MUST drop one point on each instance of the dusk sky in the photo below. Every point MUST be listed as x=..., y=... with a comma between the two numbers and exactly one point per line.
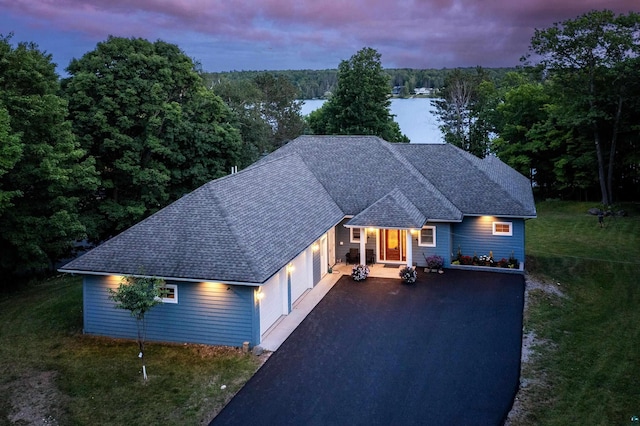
x=227, y=35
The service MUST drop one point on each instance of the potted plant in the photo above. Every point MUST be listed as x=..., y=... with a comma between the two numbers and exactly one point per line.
x=434, y=263
x=360, y=272
x=408, y=275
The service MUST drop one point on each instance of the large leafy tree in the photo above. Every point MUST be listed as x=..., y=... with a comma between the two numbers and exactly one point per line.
x=587, y=57
x=43, y=170
x=142, y=111
x=10, y=152
x=360, y=104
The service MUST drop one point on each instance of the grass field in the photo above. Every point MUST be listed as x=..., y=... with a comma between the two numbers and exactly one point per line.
x=586, y=372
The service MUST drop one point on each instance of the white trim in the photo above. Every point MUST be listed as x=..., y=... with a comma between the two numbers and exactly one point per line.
x=352, y=238
x=173, y=299
x=420, y=243
x=506, y=234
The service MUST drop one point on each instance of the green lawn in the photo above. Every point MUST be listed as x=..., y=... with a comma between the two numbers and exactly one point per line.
x=49, y=369
x=591, y=363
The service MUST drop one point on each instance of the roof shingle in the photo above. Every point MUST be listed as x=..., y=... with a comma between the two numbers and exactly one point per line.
x=247, y=226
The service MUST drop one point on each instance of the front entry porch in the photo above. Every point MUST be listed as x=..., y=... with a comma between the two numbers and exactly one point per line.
x=377, y=270
x=392, y=246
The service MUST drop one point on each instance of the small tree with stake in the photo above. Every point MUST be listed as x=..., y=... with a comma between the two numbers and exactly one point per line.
x=138, y=295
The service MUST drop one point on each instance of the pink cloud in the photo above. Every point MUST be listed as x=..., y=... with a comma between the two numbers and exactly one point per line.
x=408, y=33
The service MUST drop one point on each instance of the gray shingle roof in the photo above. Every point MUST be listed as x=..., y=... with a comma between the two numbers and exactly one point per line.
x=243, y=228
x=475, y=186
x=247, y=226
x=394, y=210
x=359, y=170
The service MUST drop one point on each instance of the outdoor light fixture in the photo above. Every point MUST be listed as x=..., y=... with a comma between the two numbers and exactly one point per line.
x=290, y=268
x=315, y=247
x=259, y=295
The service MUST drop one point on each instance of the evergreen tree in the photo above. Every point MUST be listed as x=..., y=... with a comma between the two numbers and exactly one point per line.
x=360, y=104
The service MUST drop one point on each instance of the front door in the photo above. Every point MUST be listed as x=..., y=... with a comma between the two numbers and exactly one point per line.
x=393, y=245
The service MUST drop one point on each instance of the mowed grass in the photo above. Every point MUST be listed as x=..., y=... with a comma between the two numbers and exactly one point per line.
x=51, y=370
x=590, y=363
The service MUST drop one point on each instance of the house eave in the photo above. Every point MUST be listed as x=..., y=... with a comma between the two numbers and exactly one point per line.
x=503, y=215
x=180, y=279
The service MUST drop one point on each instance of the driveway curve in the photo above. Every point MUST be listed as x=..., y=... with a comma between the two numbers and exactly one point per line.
x=445, y=350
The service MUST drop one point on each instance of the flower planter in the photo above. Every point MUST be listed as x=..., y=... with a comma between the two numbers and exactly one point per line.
x=360, y=272
x=408, y=275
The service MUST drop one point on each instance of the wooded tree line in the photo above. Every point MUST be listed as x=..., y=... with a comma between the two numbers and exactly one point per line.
x=135, y=126
x=320, y=84
x=131, y=129
x=568, y=118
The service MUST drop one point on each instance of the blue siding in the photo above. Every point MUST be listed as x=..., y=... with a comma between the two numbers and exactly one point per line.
x=442, y=248
x=206, y=313
x=343, y=235
x=474, y=236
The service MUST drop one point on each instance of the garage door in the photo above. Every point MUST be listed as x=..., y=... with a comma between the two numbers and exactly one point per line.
x=274, y=301
x=301, y=275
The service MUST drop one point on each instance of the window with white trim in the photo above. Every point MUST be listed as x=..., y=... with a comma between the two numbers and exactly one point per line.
x=427, y=236
x=354, y=234
x=502, y=228
x=169, y=293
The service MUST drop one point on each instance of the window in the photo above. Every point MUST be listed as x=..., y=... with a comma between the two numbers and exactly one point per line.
x=427, y=237
x=502, y=228
x=355, y=235
x=170, y=292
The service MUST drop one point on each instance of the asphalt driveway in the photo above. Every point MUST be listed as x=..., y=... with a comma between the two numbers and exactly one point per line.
x=443, y=351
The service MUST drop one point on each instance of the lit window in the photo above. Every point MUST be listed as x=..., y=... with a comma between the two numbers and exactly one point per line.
x=169, y=293
x=427, y=237
x=355, y=235
x=502, y=228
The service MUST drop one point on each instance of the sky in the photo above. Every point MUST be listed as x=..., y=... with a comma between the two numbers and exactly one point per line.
x=227, y=35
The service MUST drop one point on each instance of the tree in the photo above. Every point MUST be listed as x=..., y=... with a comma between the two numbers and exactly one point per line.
x=462, y=108
x=142, y=111
x=138, y=295
x=10, y=152
x=43, y=172
x=279, y=108
x=582, y=54
x=242, y=97
x=360, y=104
x=266, y=110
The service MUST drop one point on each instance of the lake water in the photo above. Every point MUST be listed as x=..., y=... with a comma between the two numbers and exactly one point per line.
x=415, y=116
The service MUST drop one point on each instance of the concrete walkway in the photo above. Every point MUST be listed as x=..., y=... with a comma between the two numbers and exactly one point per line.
x=283, y=328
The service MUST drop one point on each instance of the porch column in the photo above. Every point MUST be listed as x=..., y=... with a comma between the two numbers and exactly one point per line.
x=409, y=254
x=363, y=242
